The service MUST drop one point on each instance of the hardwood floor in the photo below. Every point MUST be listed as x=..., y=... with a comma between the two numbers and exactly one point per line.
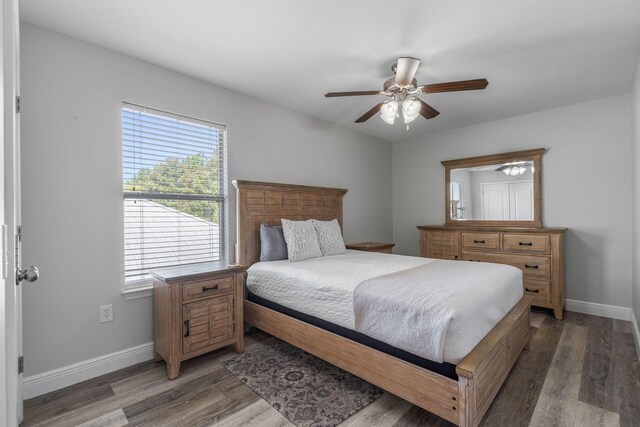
x=582, y=371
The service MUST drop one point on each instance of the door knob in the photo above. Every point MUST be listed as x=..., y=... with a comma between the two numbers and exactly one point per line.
x=29, y=274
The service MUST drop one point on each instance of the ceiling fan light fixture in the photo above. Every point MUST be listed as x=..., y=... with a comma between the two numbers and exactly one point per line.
x=410, y=109
x=389, y=110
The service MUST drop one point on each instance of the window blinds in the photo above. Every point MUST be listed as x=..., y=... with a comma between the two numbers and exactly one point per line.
x=173, y=170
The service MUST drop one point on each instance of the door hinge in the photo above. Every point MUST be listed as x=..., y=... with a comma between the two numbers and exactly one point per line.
x=18, y=242
x=18, y=109
x=20, y=364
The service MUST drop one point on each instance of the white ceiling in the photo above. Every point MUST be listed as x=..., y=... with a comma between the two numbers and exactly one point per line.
x=536, y=54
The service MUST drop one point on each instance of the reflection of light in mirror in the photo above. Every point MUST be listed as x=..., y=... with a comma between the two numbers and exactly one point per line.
x=514, y=170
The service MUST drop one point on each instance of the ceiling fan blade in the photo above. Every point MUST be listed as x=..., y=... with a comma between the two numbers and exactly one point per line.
x=356, y=93
x=475, y=84
x=427, y=111
x=406, y=70
x=366, y=116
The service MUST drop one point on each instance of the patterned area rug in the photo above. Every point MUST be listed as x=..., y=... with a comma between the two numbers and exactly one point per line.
x=306, y=390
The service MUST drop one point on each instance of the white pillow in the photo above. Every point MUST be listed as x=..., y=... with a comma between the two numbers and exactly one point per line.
x=330, y=237
x=302, y=240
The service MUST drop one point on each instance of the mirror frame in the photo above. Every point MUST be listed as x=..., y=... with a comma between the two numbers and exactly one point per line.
x=535, y=155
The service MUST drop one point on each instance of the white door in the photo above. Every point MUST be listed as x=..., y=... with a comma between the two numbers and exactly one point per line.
x=495, y=201
x=521, y=201
x=11, y=295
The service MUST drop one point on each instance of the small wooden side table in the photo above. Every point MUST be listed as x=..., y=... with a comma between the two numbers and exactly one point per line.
x=372, y=247
x=196, y=309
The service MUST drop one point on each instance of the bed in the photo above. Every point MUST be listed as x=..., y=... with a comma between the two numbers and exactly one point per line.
x=461, y=395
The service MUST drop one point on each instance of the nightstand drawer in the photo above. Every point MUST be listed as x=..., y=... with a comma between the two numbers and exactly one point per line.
x=207, y=288
x=526, y=243
x=488, y=241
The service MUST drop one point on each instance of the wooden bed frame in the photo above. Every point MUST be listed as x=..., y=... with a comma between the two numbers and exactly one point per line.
x=481, y=373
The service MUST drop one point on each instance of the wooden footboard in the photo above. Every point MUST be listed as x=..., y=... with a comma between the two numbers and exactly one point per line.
x=426, y=389
x=463, y=402
x=483, y=371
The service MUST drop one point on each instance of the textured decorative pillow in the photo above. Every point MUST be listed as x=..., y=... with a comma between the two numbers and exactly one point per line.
x=302, y=240
x=272, y=244
x=330, y=237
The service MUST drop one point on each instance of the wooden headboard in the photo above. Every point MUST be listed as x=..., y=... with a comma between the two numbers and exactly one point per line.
x=267, y=202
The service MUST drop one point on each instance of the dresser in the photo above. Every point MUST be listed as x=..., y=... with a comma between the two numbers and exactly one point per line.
x=538, y=252
x=196, y=309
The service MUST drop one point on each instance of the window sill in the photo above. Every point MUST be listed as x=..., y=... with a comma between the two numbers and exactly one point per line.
x=138, y=292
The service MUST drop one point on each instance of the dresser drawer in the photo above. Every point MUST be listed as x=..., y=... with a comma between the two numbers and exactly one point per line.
x=526, y=243
x=536, y=267
x=207, y=288
x=488, y=241
x=540, y=290
x=442, y=245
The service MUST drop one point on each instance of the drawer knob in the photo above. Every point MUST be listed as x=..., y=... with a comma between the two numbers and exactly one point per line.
x=530, y=266
x=525, y=243
x=535, y=291
x=187, y=325
x=209, y=288
x=478, y=241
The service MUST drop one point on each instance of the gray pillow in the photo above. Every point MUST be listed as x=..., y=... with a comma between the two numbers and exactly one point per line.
x=330, y=237
x=272, y=244
x=302, y=240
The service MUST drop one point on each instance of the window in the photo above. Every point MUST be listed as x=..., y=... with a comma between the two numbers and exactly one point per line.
x=174, y=183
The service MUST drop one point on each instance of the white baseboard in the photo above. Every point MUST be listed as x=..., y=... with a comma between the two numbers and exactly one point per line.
x=636, y=331
x=46, y=382
x=603, y=310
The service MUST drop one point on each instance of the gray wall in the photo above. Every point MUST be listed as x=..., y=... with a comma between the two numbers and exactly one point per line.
x=72, y=182
x=636, y=195
x=586, y=186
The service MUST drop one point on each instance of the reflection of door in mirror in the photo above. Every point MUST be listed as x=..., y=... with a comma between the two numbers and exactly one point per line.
x=507, y=201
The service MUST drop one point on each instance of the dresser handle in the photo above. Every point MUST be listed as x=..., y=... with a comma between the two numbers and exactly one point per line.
x=210, y=288
x=535, y=291
x=478, y=241
x=530, y=266
x=474, y=260
x=187, y=324
x=526, y=244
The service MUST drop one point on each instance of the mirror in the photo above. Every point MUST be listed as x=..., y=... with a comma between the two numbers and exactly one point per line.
x=501, y=189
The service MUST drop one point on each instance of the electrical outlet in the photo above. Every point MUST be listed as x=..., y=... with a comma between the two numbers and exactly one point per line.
x=106, y=313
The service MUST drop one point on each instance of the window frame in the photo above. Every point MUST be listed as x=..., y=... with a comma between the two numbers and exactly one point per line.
x=139, y=288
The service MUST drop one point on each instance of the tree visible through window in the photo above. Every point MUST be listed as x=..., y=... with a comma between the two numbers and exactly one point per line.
x=174, y=191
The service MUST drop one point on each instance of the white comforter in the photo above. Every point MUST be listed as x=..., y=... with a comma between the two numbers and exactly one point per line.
x=414, y=309
x=324, y=288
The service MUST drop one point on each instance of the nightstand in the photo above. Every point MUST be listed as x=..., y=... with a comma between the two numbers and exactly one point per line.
x=372, y=247
x=196, y=309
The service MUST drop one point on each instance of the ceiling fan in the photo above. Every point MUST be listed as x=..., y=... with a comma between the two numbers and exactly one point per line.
x=402, y=90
